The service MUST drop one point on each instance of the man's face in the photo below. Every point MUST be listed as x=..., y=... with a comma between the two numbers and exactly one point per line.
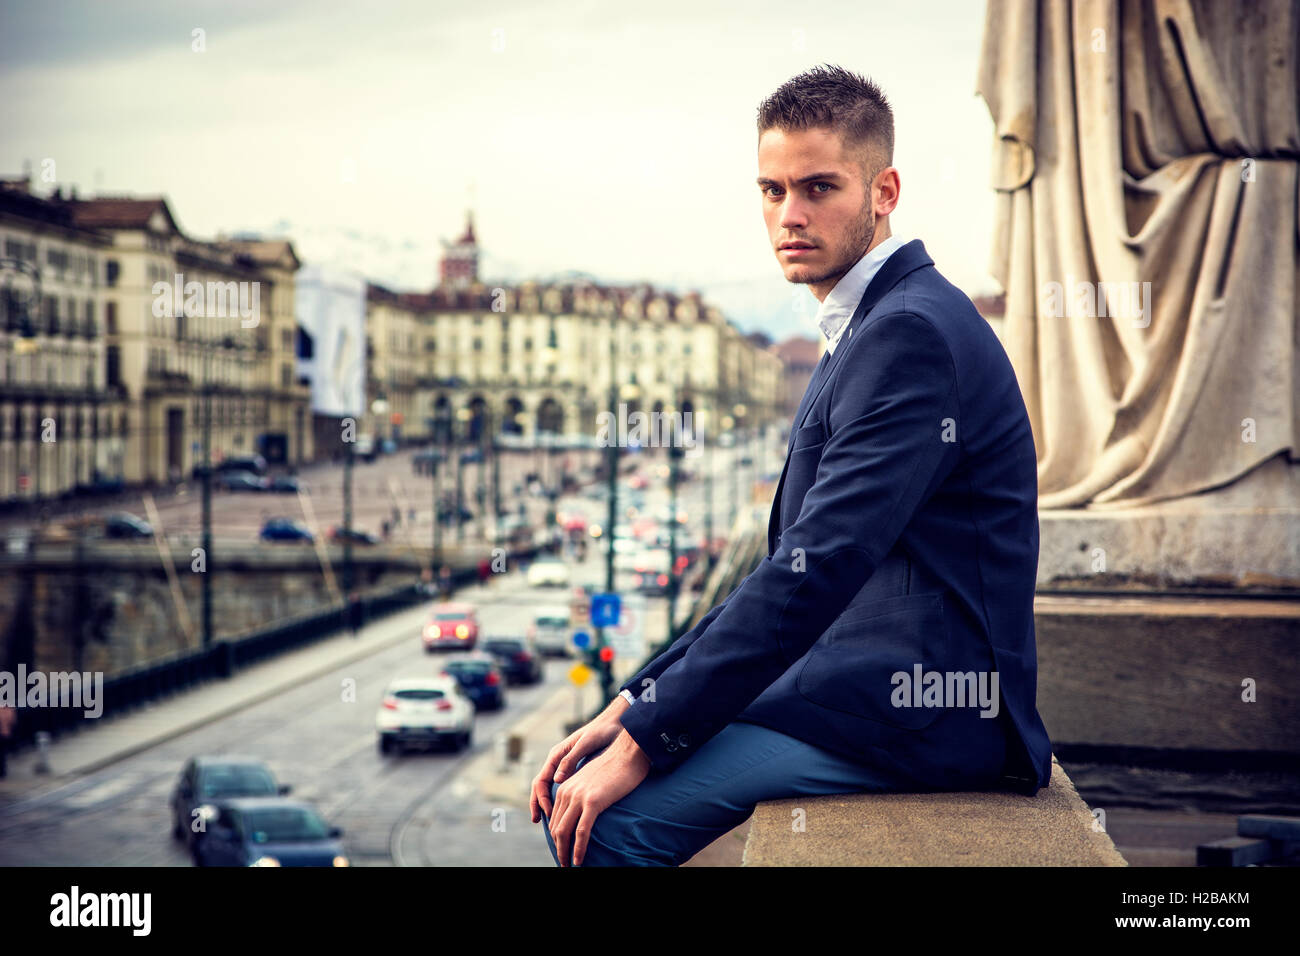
x=813, y=193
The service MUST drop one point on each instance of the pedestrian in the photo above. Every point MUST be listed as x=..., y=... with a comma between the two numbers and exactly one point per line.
x=8, y=718
x=484, y=570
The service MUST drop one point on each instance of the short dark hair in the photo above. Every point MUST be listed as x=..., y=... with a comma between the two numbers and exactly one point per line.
x=831, y=97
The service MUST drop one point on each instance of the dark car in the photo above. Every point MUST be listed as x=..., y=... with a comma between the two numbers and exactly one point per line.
x=284, y=484
x=240, y=481
x=481, y=678
x=520, y=663
x=267, y=831
x=254, y=463
x=355, y=535
x=205, y=779
x=102, y=485
x=447, y=514
x=126, y=526
x=284, y=529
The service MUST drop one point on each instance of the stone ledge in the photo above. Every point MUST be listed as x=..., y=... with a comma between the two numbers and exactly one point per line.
x=1053, y=828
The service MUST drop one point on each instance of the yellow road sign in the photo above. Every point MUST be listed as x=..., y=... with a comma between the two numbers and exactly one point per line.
x=580, y=674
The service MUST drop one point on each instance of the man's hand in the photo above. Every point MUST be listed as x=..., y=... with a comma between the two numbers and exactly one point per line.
x=564, y=756
x=599, y=784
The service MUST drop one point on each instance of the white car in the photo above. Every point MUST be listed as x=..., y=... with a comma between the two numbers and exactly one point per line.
x=548, y=572
x=424, y=710
x=550, y=631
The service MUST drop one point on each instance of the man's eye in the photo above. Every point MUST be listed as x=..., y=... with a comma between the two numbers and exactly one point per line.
x=827, y=185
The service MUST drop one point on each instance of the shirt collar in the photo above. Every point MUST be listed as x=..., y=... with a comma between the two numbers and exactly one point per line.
x=843, y=300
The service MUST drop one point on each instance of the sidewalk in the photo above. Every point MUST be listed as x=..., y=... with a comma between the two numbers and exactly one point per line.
x=88, y=749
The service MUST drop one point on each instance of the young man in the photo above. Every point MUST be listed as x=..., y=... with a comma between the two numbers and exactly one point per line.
x=887, y=640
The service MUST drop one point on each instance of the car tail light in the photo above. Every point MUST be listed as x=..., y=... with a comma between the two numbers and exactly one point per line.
x=390, y=703
x=444, y=705
x=662, y=579
x=523, y=657
x=492, y=679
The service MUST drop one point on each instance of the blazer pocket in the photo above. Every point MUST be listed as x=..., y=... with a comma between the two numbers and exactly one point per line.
x=810, y=436
x=852, y=667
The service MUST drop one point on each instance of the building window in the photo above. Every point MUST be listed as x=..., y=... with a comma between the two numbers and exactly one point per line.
x=111, y=271
x=110, y=318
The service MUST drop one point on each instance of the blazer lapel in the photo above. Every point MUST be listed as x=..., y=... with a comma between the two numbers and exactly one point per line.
x=905, y=259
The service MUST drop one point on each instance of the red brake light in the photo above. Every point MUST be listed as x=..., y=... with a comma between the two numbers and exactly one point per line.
x=493, y=679
x=444, y=705
x=390, y=703
x=663, y=579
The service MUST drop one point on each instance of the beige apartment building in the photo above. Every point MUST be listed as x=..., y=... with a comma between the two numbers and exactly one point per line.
x=542, y=357
x=118, y=331
x=188, y=323
x=60, y=422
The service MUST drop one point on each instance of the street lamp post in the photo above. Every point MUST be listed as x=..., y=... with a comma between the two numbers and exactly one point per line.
x=674, y=582
x=207, y=500
x=462, y=416
x=737, y=454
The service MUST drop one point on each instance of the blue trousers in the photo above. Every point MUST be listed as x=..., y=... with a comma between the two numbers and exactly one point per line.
x=671, y=816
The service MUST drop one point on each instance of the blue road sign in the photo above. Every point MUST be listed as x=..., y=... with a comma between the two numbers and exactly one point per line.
x=604, y=610
x=581, y=638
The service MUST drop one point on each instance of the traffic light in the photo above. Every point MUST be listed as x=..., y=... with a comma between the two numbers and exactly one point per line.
x=606, y=654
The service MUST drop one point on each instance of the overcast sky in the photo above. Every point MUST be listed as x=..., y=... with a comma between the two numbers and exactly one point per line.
x=616, y=140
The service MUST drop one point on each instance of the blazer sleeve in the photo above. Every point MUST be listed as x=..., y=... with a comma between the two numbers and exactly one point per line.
x=891, y=420
x=650, y=672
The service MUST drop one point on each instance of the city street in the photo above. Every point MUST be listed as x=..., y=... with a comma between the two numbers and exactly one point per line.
x=415, y=809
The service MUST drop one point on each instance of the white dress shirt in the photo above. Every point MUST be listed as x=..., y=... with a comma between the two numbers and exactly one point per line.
x=843, y=300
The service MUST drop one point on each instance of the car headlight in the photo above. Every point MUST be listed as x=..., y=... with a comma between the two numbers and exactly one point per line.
x=265, y=861
x=462, y=630
x=341, y=861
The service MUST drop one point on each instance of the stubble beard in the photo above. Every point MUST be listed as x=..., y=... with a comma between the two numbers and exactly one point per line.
x=856, y=247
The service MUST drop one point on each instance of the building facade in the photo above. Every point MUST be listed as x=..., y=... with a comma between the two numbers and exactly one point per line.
x=193, y=326
x=539, y=357
x=60, y=418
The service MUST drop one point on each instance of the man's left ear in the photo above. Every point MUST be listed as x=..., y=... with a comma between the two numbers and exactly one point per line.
x=885, y=190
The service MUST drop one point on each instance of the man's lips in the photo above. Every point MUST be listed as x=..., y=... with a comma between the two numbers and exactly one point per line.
x=794, y=250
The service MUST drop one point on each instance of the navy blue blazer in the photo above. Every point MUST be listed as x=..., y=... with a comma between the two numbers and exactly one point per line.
x=903, y=539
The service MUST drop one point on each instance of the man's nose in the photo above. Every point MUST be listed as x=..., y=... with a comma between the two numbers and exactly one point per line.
x=794, y=214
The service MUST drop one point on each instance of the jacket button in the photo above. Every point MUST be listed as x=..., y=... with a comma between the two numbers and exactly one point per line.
x=668, y=743
x=683, y=741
